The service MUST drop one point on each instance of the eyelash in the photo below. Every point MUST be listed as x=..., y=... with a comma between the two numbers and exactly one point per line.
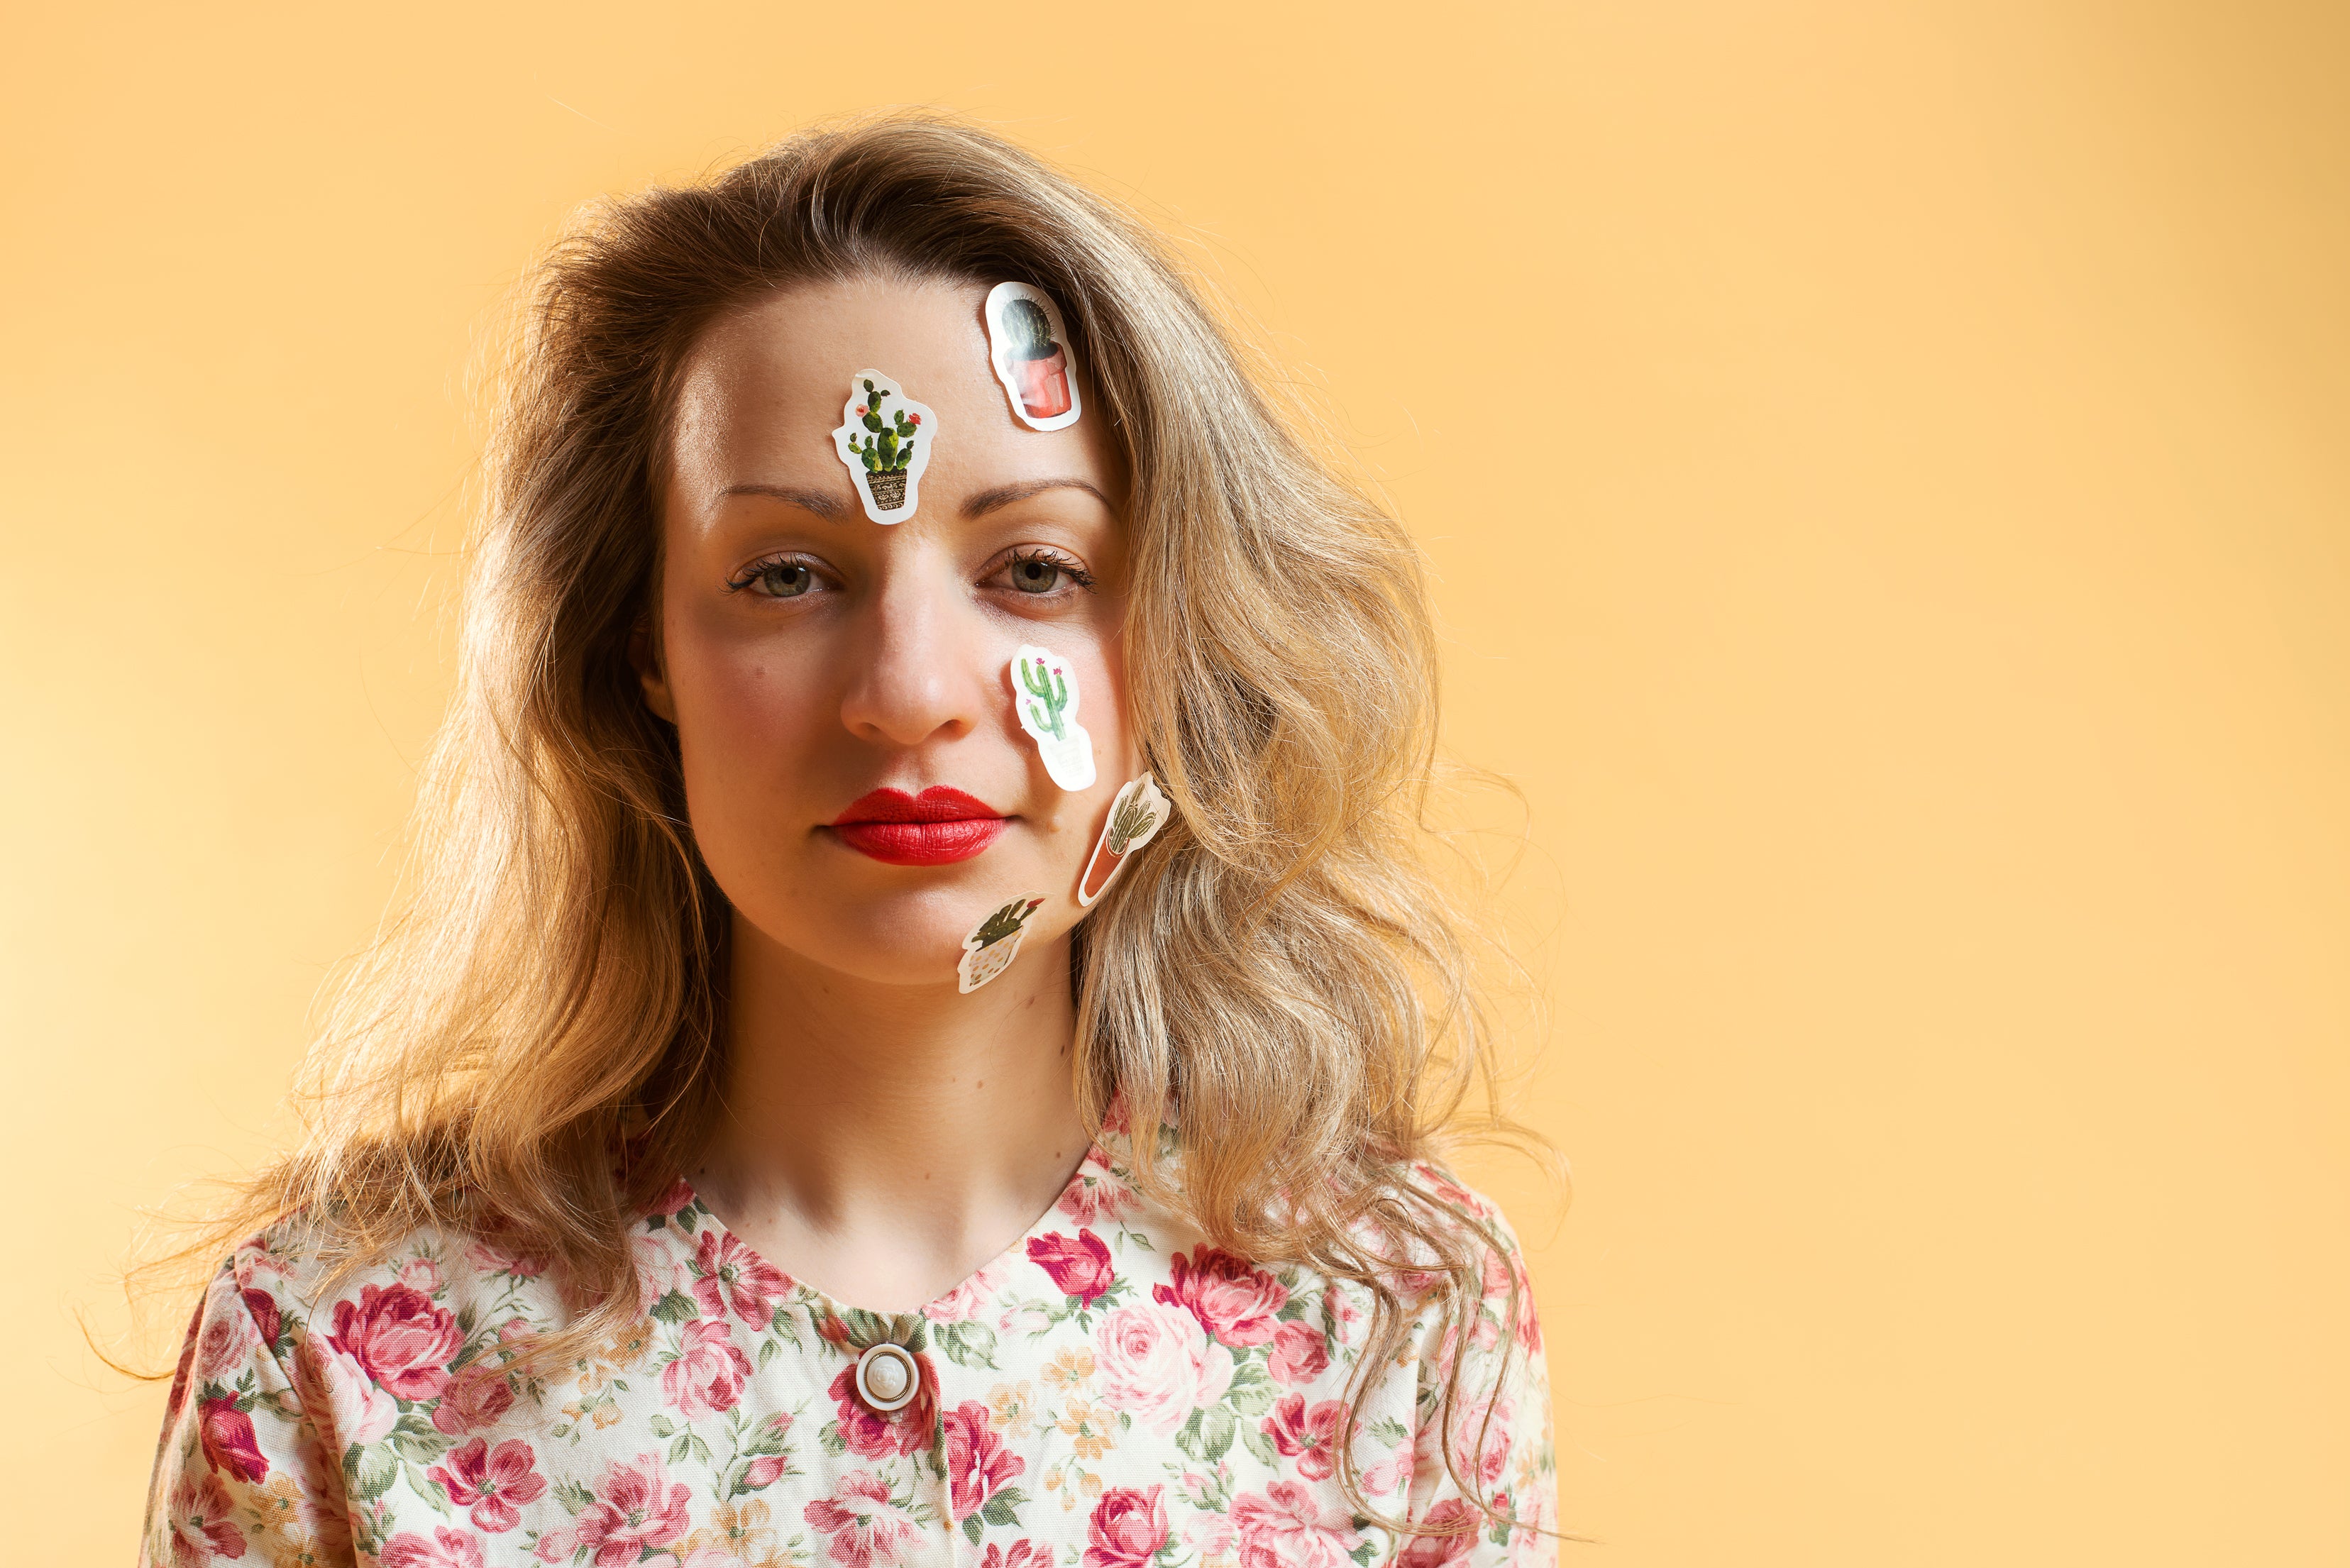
x=1065, y=565
x=760, y=568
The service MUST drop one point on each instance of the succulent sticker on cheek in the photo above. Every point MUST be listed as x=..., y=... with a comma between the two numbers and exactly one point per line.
x=885, y=439
x=1136, y=813
x=1045, y=696
x=1028, y=347
x=995, y=943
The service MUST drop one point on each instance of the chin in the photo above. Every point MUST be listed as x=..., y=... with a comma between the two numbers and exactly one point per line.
x=908, y=940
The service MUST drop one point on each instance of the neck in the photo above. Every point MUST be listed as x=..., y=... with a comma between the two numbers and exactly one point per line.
x=884, y=1141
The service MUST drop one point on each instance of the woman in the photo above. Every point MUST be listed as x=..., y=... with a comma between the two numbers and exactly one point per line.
x=748, y=1148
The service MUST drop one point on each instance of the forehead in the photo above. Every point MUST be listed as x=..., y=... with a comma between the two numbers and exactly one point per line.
x=763, y=387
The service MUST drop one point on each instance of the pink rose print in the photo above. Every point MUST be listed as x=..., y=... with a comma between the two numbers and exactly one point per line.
x=1299, y=1354
x=966, y=1298
x=1095, y=1198
x=1308, y=1435
x=1288, y=1527
x=658, y=1271
x=1129, y=1527
x=866, y=1527
x=1159, y=1366
x=708, y=1374
x=474, y=1399
x=1392, y=1471
x=1209, y=1534
x=447, y=1549
x=262, y=1307
x=331, y=1381
x=978, y=1464
x=1339, y=1313
x=1231, y=1300
x=228, y=1343
x=201, y=1530
x=1079, y=1264
x=399, y=1339
x=1498, y=1274
x=636, y=1512
x=421, y=1275
x=492, y=1258
x=1449, y=1190
x=1442, y=1551
x=187, y=1365
x=902, y=1431
x=680, y=1194
x=1024, y=1555
x=728, y=1274
x=491, y=1481
x=229, y=1441
x=1485, y=1466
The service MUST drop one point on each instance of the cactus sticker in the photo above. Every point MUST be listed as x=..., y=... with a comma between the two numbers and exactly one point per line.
x=1044, y=695
x=1136, y=813
x=885, y=439
x=995, y=943
x=1029, y=349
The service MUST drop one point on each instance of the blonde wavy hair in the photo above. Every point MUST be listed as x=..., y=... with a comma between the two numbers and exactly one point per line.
x=536, y=1044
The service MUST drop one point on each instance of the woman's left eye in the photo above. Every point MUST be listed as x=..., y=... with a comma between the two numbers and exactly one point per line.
x=1040, y=573
x=1034, y=576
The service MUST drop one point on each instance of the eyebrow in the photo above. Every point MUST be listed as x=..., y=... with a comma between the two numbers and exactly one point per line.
x=986, y=501
x=814, y=501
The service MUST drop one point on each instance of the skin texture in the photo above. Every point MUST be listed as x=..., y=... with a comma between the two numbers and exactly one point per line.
x=886, y=1136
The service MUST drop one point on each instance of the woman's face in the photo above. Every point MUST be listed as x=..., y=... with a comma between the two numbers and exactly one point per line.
x=811, y=657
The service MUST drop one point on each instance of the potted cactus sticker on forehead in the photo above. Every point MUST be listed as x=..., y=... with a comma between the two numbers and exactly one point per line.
x=885, y=441
x=1045, y=696
x=995, y=943
x=1029, y=349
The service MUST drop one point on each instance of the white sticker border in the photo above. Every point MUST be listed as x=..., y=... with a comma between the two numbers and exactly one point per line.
x=973, y=947
x=998, y=341
x=1070, y=758
x=1145, y=788
x=853, y=425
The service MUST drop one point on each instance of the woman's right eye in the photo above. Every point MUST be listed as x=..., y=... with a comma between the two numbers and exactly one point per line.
x=777, y=580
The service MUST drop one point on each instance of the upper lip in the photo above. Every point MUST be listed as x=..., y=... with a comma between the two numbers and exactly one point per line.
x=939, y=802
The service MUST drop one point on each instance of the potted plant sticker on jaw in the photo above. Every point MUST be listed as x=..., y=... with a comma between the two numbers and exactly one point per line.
x=995, y=943
x=1028, y=347
x=884, y=439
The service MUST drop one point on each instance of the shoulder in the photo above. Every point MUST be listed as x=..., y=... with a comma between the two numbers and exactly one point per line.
x=296, y=1282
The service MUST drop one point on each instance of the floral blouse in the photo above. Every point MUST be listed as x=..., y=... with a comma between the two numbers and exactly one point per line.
x=1109, y=1392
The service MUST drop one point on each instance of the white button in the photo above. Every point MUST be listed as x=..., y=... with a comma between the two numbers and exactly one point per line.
x=887, y=1377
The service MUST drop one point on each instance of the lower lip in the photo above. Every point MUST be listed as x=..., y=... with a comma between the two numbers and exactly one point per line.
x=921, y=843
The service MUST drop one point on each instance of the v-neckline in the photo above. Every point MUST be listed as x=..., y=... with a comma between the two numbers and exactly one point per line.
x=802, y=1287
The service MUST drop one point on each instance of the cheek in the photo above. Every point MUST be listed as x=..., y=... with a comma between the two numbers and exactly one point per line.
x=743, y=715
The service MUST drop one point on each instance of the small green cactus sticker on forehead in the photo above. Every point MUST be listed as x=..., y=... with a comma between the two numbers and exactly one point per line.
x=885, y=439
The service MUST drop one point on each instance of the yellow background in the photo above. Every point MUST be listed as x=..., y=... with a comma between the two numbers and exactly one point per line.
x=1887, y=470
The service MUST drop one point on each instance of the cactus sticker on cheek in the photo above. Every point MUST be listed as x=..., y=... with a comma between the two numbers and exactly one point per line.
x=1045, y=696
x=995, y=943
x=1136, y=813
x=1029, y=349
x=885, y=441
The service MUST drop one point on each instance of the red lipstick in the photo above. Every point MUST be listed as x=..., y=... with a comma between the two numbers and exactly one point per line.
x=939, y=827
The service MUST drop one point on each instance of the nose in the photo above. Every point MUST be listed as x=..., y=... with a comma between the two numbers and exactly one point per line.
x=921, y=676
